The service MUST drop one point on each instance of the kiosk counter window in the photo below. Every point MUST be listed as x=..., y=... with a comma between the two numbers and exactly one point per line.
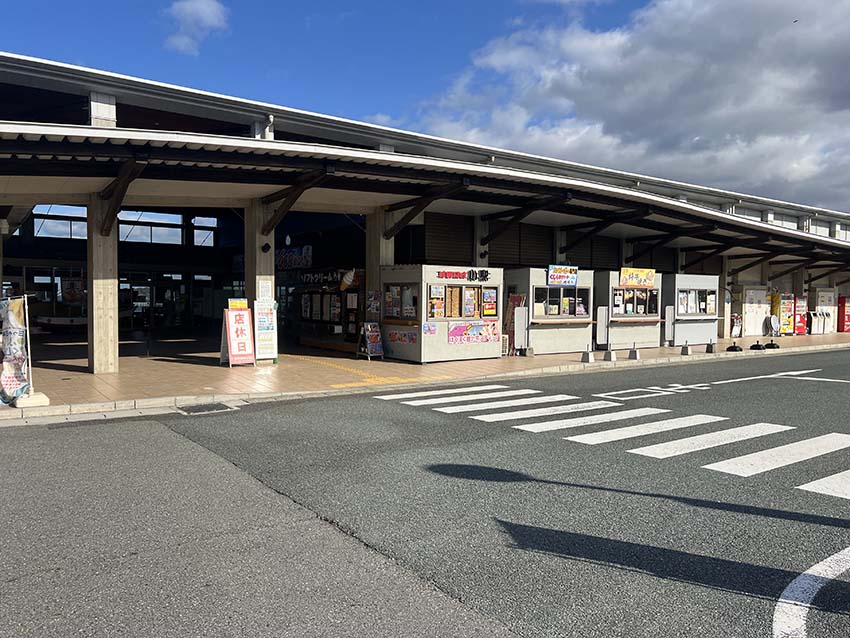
x=446, y=313
x=628, y=307
x=560, y=313
x=691, y=307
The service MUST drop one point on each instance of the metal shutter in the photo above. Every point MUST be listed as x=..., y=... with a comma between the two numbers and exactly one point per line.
x=449, y=239
x=605, y=252
x=581, y=255
x=535, y=245
x=664, y=259
x=504, y=249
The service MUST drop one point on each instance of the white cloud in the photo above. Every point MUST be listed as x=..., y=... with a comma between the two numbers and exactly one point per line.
x=725, y=93
x=194, y=21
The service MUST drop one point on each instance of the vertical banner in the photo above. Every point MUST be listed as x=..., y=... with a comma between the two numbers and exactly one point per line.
x=265, y=328
x=14, y=378
x=237, y=347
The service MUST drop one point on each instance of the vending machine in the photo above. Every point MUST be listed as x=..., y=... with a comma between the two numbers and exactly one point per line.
x=786, y=314
x=801, y=306
x=824, y=302
x=844, y=314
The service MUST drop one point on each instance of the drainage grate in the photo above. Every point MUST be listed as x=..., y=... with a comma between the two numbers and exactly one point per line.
x=205, y=408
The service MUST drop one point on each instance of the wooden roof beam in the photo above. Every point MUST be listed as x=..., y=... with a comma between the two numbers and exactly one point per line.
x=518, y=214
x=291, y=194
x=419, y=204
x=705, y=257
x=116, y=190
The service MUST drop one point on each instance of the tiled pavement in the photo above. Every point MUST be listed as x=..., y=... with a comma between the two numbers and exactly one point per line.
x=189, y=367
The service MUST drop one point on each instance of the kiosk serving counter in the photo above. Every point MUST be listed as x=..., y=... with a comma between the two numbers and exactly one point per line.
x=441, y=313
x=628, y=308
x=690, y=309
x=560, y=302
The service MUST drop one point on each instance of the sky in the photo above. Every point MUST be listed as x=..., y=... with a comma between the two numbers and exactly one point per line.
x=747, y=95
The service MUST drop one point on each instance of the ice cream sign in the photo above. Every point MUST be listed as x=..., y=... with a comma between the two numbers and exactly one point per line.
x=562, y=275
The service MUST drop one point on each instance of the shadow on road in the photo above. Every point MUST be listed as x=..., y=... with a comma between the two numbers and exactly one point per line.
x=705, y=571
x=498, y=475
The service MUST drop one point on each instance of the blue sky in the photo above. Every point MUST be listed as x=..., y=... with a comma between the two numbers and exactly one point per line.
x=352, y=59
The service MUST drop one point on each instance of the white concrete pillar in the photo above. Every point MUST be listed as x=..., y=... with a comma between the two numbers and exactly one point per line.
x=263, y=129
x=102, y=286
x=481, y=258
x=102, y=111
x=724, y=305
x=379, y=252
x=259, y=252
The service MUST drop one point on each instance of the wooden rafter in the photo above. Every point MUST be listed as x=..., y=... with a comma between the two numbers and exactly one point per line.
x=656, y=241
x=795, y=268
x=705, y=257
x=752, y=264
x=419, y=204
x=291, y=194
x=828, y=273
x=601, y=226
x=518, y=214
x=116, y=190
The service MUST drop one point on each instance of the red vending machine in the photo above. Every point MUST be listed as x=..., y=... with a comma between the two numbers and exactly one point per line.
x=801, y=314
x=844, y=314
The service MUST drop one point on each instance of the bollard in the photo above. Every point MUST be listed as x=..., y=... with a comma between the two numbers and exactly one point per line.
x=610, y=355
x=710, y=349
x=587, y=357
x=634, y=353
x=771, y=346
x=686, y=349
x=734, y=348
x=758, y=345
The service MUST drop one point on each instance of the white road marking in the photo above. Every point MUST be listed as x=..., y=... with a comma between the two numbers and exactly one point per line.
x=471, y=397
x=710, y=440
x=820, y=379
x=835, y=485
x=474, y=407
x=554, y=409
x=790, y=373
x=643, y=429
x=773, y=458
x=593, y=419
x=792, y=610
x=433, y=393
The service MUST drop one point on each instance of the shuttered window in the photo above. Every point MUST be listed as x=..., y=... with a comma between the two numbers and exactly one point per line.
x=449, y=239
x=504, y=249
x=535, y=245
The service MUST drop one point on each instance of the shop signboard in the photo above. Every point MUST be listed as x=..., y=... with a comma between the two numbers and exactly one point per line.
x=562, y=275
x=15, y=375
x=480, y=274
x=291, y=258
x=371, y=344
x=402, y=336
x=237, y=304
x=637, y=277
x=463, y=332
x=237, y=339
x=265, y=328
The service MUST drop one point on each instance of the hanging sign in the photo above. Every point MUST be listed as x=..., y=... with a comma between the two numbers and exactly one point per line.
x=265, y=328
x=562, y=275
x=371, y=344
x=14, y=378
x=237, y=339
x=637, y=277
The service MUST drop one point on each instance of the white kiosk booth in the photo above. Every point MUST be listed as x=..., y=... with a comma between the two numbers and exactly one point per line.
x=628, y=309
x=824, y=310
x=690, y=309
x=441, y=313
x=561, y=301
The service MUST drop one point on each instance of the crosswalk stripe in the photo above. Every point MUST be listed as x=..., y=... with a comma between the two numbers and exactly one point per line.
x=593, y=419
x=553, y=409
x=471, y=397
x=434, y=393
x=474, y=407
x=835, y=485
x=632, y=431
x=777, y=457
x=710, y=440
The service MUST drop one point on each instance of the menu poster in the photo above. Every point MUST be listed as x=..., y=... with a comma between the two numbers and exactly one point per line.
x=630, y=302
x=701, y=298
x=692, y=302
x=619, y=303
x=640, y=302
x=683, y=302
x=336, y=308
x=351, y=301
x=489, y=309
x=408, y=302
x=317, y=307
x=711, y=303
x=469, y=302
x=371, y=344
x=438, y=292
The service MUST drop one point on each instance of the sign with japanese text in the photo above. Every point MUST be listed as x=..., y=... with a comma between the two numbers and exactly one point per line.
x=372, y=342
x=238, y=338
x=14, y=378
x=237, y=304
x=637, y=277
x=290, y=258
x=465, y=275
x=562, y=275
x=265, y=328
x=462, y=332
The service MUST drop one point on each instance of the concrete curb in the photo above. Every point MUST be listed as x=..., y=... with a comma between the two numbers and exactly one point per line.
x=163, y=405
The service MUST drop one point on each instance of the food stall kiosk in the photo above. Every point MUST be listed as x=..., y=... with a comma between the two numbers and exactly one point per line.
x=628, y=309
x=560, y=300
x=441, y=313
x=690, y=309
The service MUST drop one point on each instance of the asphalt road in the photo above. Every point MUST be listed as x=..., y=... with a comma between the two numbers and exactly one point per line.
x=549, y=536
